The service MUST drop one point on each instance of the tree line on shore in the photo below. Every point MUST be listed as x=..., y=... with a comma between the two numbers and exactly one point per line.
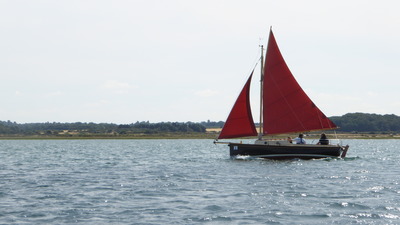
x=354, y=122
x=351, y=122
x=56, y=128
x=367, y=122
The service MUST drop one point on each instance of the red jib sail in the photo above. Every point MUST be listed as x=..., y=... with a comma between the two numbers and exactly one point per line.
x=286, y=107
x=240, y=121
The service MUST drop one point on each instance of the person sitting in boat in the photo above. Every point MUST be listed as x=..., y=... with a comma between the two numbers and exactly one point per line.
x=323, y=140
x=289, y=139
x=300, y=139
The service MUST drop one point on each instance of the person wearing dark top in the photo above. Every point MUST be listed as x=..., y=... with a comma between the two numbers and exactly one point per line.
x=323, y=140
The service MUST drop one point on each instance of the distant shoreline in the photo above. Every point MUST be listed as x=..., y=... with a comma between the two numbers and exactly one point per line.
x=207, y=135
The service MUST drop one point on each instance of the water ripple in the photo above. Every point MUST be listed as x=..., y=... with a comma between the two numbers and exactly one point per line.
x=193, y=182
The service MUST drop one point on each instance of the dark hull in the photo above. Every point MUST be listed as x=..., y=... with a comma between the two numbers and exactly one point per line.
x=285, y=151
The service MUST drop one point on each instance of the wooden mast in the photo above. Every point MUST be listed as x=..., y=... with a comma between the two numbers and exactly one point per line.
x=260, y=133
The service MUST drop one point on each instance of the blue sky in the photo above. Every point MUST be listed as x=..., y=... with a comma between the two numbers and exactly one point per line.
x=124, y=61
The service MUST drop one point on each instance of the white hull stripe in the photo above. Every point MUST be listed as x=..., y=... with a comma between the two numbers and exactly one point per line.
x=291, y=155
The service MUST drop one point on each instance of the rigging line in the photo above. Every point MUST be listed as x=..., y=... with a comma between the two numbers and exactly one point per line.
x=256, y=61
x=255, y=65
x=327, y=120
x=319, y=116
x=335, y=134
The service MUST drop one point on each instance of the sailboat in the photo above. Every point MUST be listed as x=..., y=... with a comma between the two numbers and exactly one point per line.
x=284, y=109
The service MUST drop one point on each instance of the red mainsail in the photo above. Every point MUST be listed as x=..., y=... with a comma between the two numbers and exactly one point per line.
x=240, y=121
x=286, y=107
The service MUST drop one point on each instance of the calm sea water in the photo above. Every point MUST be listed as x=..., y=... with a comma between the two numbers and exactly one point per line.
x=193, y=182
